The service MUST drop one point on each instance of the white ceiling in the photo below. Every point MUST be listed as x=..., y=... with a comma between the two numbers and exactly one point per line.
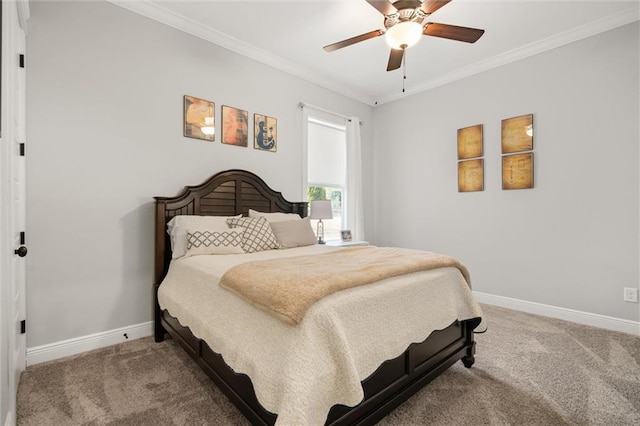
x=290, y=34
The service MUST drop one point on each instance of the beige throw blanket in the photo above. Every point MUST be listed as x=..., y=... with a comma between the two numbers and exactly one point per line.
x=287, y=287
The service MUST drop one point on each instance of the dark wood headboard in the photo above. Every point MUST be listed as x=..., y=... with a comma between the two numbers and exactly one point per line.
x=227, y=193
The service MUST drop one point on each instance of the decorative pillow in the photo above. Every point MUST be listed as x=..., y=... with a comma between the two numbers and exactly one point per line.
x=177, y=229
x=294, y=233
x=257, y=236
x=274, y=217
x=224, y=241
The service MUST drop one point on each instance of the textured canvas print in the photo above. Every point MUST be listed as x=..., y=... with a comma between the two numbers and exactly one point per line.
x=471, y=175
x=235, y=126
x=517, y=134
x=199, y=119
x=265, y=131
x=470, y=142
x=517, y=171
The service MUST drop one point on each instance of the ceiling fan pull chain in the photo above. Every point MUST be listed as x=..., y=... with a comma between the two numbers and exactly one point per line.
x=404, y=68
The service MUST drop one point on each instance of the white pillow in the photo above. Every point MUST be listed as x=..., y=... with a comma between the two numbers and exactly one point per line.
x=223, y=241
x=274, y=217
x=178, y=225
x=257, y=235
x=294, y=233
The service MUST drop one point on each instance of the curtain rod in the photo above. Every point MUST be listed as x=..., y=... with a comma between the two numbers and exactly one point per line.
x=302, y=105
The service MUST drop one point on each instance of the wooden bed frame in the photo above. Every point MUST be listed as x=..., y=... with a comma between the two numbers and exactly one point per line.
x=234, y=192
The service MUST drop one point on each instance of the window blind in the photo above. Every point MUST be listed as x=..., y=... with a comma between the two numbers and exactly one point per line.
x=327, y=154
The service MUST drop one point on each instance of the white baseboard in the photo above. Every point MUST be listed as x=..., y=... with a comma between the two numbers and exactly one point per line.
x=9, y=420
x=81, y=344
x=580, y=317
x=78, y=345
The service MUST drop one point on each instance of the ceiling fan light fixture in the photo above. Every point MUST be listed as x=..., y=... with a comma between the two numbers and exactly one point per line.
x=403, y=35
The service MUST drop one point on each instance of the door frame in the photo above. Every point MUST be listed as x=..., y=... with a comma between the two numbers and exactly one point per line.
x=15, y=14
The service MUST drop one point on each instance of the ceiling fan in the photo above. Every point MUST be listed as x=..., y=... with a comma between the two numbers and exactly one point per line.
x=403, y=26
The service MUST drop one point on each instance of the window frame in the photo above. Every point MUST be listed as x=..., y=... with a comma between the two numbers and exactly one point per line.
x=334, y=123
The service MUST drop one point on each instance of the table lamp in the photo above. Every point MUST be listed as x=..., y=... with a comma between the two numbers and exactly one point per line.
x=321, y=209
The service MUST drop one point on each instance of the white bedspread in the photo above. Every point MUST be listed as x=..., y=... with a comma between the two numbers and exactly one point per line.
x=300, y=372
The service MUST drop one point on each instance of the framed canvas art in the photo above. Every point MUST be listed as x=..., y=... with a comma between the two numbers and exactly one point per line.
x=517, y=171
x=517, y=134
x=471, y=175
x=235, y=126
x=470, y=142
x=265, y=133
x=199, y=119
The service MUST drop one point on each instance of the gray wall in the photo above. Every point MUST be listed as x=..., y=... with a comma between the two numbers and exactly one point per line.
x=570, y=242
x=104, y=132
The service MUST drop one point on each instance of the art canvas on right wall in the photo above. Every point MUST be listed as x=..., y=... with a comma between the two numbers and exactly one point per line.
x=471, y=168
x=517, y=134
x=517, y=171
x=517, y=137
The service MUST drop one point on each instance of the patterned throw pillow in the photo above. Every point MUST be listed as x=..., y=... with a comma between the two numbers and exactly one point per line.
x=178, y=226
x=257, y=236
x=228, y=241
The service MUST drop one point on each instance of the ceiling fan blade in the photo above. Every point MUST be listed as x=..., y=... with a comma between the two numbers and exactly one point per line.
x=453, y=32
x=352, y=40
x=395, y=59
x=383, y=6
x=430, y=6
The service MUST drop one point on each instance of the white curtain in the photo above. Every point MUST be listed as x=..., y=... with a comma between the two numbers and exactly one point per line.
x=354, y=212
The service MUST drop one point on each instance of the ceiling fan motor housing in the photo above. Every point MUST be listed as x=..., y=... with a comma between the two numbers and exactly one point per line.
x=407, y=11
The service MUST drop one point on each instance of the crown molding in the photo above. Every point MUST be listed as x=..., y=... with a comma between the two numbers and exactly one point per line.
x=593, y=28
x=160, y=14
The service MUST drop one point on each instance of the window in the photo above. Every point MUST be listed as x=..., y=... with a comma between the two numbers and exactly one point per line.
x=327, y=171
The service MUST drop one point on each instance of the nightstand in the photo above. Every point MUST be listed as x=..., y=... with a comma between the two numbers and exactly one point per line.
x=340, y=243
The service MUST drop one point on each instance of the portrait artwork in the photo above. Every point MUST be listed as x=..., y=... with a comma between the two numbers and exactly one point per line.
x=235, y=126
x=199, y=119
x=265, y=131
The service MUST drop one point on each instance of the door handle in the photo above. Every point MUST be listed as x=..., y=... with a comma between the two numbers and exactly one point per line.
x=21, y=251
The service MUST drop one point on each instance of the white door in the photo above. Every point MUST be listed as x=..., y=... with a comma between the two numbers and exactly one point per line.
x=18, y=216
x=14, y=16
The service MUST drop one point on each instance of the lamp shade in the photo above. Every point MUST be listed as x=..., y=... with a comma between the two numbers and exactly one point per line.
x=321, y=209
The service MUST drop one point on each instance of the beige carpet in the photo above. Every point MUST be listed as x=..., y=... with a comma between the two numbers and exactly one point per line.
x=529, y=370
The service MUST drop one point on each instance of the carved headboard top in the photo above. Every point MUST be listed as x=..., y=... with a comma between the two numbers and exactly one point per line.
x=227, y=193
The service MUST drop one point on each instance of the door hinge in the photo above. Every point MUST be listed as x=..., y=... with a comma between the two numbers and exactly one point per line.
x=21, y=60
x=22, y=149
x=22, y=237
x=23, y=326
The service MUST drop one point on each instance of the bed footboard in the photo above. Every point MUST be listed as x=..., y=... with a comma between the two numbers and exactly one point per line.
x=389, y=386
